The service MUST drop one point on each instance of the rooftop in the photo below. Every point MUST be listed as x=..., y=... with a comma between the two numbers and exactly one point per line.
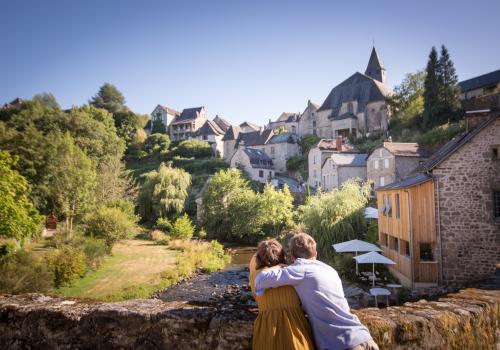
x=484, y=80
x=407, y=182
x=258, y=158
x=349, y=159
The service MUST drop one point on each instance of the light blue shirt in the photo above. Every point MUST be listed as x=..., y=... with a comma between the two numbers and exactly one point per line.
x=320, y=290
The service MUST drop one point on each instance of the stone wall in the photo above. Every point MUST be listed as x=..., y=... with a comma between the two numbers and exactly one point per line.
x=470, y=235
x=467, y=320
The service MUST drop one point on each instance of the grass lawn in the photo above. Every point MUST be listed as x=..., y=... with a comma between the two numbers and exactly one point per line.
x=134, y=263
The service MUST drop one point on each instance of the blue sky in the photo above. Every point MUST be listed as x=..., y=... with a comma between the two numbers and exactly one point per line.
x=244, y=60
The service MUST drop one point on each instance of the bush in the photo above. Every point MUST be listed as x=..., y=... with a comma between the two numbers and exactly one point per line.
x=193, y=149
x=159, y=237
x=182, y=228
x=95, y=250
x=110, y=224
x=198, y=255
x=8, y=248
x=307, y=142
x=164, y=225
x=157, y=143
x=127, y=207
x=22, y=273
x=372, y=235
x=202, y=234
x=67, y=264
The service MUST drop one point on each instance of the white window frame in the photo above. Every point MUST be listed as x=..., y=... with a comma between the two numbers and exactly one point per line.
x=386, y=163
x=381, y=181
x=375, y=164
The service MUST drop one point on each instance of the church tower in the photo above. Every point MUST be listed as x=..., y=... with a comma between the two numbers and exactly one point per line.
x=375, y=69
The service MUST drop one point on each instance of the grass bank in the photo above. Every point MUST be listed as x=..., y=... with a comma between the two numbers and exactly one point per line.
x=139, y=268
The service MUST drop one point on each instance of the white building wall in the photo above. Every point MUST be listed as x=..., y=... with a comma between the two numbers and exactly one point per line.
x=240, y=159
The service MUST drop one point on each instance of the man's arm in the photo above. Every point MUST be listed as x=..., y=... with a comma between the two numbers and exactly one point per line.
x=273, y=278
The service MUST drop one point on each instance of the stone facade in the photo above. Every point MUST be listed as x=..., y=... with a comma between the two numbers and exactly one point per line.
x=334, y=175
x=280, y=152
x=307, y=120
x=466, y=320
x=240, y=159
x=470, y=235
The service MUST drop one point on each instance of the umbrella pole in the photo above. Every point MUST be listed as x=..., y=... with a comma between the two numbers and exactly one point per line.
x=357, y=272
x=373, y=271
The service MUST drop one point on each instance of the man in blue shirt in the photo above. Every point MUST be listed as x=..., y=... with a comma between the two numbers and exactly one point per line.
x=320, y=290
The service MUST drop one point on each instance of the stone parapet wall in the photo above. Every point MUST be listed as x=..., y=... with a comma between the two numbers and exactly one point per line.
x=466, y=320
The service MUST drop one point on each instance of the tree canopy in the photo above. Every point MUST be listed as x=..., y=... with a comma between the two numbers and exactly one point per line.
x=109, y=98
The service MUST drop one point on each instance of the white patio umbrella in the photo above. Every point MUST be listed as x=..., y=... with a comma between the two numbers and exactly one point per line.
x=373, y=258
x=371, y=213
x=355, y=246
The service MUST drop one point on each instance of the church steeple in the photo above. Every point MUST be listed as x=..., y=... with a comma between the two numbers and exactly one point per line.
x=375, y=69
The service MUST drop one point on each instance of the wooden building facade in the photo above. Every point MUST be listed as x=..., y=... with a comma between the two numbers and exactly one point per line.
x=407, y=230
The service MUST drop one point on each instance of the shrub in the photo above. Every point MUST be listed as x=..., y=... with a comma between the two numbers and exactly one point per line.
x=296, y=163
x=202, y=234
x=110, y=224
x=193, y=149
x=8, y=248
x=164, y=225
x=372, y=235
x=307, y=142
x=182, y=228
x=127, y=207
x=95, y=250
x=67, y=264
x=159, y=237
x=22, y=272
x=157, y=143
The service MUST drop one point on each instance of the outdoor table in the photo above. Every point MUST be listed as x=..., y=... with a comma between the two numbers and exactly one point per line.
x=380, y=291
x=394, y=288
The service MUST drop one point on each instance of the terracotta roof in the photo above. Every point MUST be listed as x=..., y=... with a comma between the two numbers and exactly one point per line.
x=405, y=149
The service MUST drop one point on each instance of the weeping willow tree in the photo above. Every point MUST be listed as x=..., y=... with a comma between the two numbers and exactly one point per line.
x=163, y=193
x=336, y=216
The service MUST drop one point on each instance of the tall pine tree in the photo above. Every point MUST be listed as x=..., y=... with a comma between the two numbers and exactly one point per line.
x=449, y=90
x=431, y=93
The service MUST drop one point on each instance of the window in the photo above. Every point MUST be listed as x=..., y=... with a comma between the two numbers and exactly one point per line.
x=388, y=209
x=205, y=137
x=381, y=181
x=386, y=163
x=314, y=161
x=270, y=174
x=324, y=180
x=496, y=204
x=426, y=253
x=315, y=173
x=495, y=152
x=294, y=129
x=406, y=246
x=398, y=210
x=273, y=151
x=349, y=108
x=384, y=204
x=261, y=173
x=386, y=240
x=396, y=245
x=375, y=163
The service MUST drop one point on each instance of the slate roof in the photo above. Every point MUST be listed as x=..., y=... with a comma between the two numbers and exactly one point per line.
x=188, y=114
x=232, y=133
x=487, y=79
x=251, y=125
x=148, y=125
x=288, y=117
x=374, y=65
x=454, y=144
x=285, y=137
x=348, y=159
x=222, y=123
x=254, y=138
x=359, y=87
x=258, y=158
x=169, y=110
x=209, y=128
x=407, y=182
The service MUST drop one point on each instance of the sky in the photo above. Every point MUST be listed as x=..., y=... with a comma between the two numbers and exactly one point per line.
x=243, y=60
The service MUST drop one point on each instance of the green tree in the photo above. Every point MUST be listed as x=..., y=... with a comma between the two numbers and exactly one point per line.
x=277, y=206
x=109, y=224
x=73, y=183
x=113, y=182
x=18, y=217
x=193, y=149
x=407, y=102
x=157, y=127
x=182, y=228
x=109, y=98
x=450, y=91
x=127, y=123
x=307, y=142
x=336, y=216
x=163, y=192
x=157, y=143
x=47, y=100
x=432, y=88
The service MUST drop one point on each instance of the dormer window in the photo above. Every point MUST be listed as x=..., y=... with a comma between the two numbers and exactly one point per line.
x=350, y=108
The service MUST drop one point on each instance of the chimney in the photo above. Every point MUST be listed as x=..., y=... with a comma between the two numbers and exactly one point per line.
x=474, y=118
x=338, y=143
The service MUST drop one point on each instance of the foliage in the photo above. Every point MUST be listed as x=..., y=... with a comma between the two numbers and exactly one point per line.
x=157, y=127
x=95, y=250
x=232, y=211
x=202, y=234
x=159, y=237
x=198, y=255
x=18, y=217
x=336, y=216
x=47, y=100
x=442, y=94
x=307, y=142
x=73, y=184
x=157, y=143
x=192, y=149
x=182, y=228
x=109, y=224
x=109, y=98
x=163, y=193
x=372, y=235
x=298, y=163
x=22, y=272
x=127, y=124
x=67, y=264
x=198, y=167
x=164, y=225
x=113, y=182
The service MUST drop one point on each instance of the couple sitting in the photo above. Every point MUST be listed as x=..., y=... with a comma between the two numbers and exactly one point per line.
x=282, y=292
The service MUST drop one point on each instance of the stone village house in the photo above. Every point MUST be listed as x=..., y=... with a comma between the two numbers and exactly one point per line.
x=393, y=161
x=213, y=131
x=255, y=162
x=179, y=126
x=340, y=167
x=442, y=225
